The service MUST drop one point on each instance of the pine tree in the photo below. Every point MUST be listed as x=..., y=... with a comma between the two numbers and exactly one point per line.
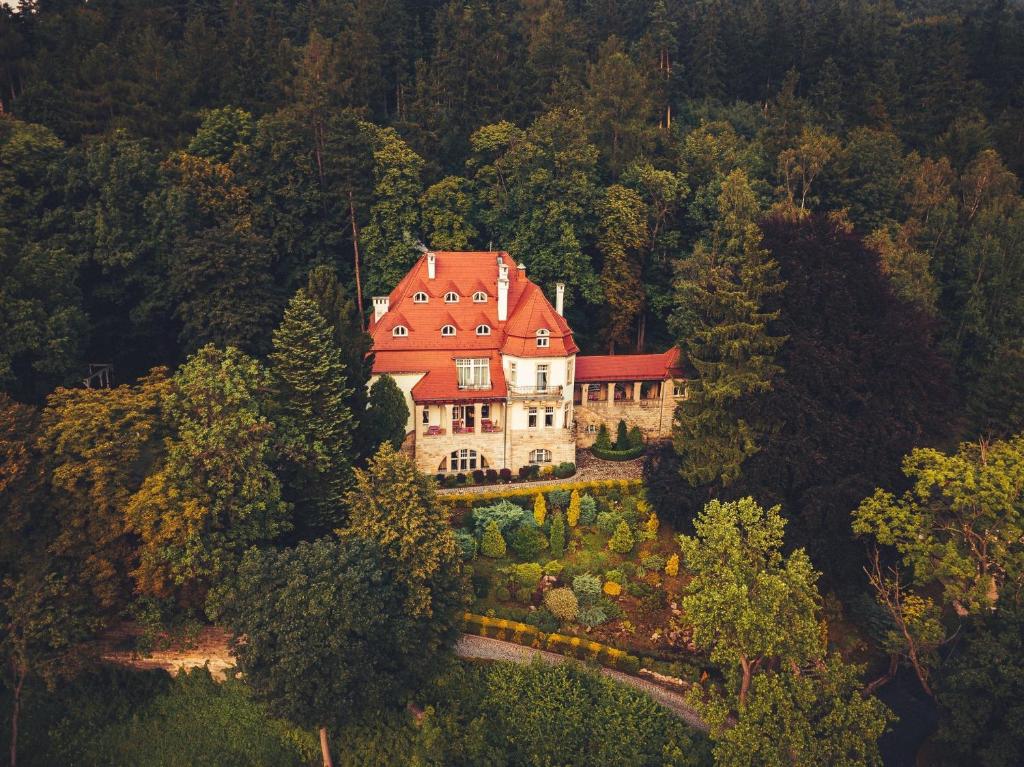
x=723, y=327
x=493, y=544
x=573, y=514
x=557, y=537
x=540, y=509
x=311, y=379
x=622, y=540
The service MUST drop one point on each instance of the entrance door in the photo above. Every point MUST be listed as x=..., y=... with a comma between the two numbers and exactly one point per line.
x=470, y=413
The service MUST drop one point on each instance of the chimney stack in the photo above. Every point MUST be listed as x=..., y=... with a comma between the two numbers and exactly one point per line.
x=380, y=307
x=522, y=268
x=559, y=297
x=431, y=265
x=502, y=290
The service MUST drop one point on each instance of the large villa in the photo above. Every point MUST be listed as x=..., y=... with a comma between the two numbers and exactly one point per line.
x=490, y=371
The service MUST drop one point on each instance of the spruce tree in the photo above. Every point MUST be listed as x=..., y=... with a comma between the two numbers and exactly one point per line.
x=622, y=540
x=312, y=396
x=724, y=330
x=386, y=416
x=493, y=544
x=557, y=538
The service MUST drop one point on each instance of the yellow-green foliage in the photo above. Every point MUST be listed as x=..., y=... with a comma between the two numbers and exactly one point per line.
x=540, y=509
x=612, y=589
x=572, y=516
x=622, y=540
x=672, y=566
x=597, y=487
x=651, y=527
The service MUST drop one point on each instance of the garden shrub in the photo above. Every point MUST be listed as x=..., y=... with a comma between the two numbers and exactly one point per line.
x=622, y=436
x=460, y=478
x=636, y=436
x=591, y=616
x=493, y=544
x=588, y=509
x=650, y=527
x=603, y=440
x=507, y=515
x=608, y=522
x=439, y=479
x=615, y=576
x=654, y=562
x=505, y=475
x=592, y=561
x=628, y=569
x=523, y=595
x=527, y=575
x=527, y=541
x=622, y=541
x=587, y=589
x=565, y=469
x=467, y=544
x=553, y=567
x=481, y=585
x=490, y=476
x=540, y=509
x=557, y=537
x=672, y=566
x=562, y=603
x=545, y=621
x=478, y=476
x=630, y=664
x=612, y=589
x=572, y=515
x=559, y=498
x=502, y=594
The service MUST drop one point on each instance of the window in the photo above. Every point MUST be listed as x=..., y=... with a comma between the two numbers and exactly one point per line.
x=531, y=417
x=426, y=415
x=473, y=373
x=679, y=388
x=483, y=330
x=542, y=377
x=399, y=331
x=569, y=371
x=549, y=416
x=543, y=338
x=540, y=456
x=485, y=411
x=591, y=428
x=565, y=416
x=419, y=298
x=479, y=297
x=512, y=373
x=466, y=460
x=451, y=297
x=448, y=330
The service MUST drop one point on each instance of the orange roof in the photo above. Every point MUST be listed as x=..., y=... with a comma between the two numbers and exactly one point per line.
x=628, y=367
x=439, y=382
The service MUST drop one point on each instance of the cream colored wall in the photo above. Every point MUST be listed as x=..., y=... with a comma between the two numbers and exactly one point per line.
x=405, y=382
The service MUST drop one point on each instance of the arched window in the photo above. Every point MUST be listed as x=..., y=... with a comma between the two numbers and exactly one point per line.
x=543, y=338
x=448, y=330
x=419, y=298
x=399, y=331
x=540, y=456
x=483, y=330
x=451, y=297
x=465, y=460
x=479, y=297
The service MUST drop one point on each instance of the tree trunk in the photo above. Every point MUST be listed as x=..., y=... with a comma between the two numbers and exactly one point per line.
x=887, y=677
x=745, y=684
x=355, y=251
x=325, y=748
x=15, y=715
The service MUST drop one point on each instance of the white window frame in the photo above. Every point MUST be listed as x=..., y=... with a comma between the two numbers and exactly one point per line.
x=549, y=417
x=531, y=418
x=512, y=373
x=426, y=415
x=540, y=455
x=451, y=297
x=679, y=388
x=479, y=297
x=399, y=331
x=543, y=338
x=419, y=297
x=448, y=331
x=483, y=330
x=473, y=372
x=543, y=371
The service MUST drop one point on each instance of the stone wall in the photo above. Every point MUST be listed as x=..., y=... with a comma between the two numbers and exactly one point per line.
x=654, y=417
x=559, y=441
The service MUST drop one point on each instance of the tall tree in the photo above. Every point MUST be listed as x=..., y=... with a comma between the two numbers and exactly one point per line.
x=622, y=239
x=312, y=396
x=724, y=328
x=387, y=415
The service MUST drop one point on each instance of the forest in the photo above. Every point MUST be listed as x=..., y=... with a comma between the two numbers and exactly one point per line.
x=817, y=201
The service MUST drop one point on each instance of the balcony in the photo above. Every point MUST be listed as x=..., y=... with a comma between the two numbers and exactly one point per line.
x=535, y=392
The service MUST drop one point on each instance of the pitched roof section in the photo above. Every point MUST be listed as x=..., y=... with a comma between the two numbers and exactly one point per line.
x=628, y=367
x=440, y=382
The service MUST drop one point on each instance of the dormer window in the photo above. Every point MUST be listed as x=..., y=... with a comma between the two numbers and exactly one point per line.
x=448, y=330
x=399, y=331
x=483, y=330
x=543, y=338
x=419, y=298
x=479, y=297
x=451, y=297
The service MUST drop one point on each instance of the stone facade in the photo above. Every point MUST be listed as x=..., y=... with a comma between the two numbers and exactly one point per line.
x=647, y=404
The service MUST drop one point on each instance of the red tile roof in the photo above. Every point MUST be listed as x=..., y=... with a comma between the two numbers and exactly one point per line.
x=628, y=367
x=424, y=349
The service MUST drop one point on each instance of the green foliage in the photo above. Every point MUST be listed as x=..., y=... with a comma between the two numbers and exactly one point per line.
x=559, y=499
x=608, y=522
x=540, y=509
x=222, y=131
x=506, y=514
x=587, y=589
x=527, y=575
x=622, y=540
x=588, y=509
x=603, y=441
x=386, y=416
x=557, y=537
x=527, y=541
x=654, y=562
x=493, y=543
x=562, y=603
x=622, y=436
x=467, y=544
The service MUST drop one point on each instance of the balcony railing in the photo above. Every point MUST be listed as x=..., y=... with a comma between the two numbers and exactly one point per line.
x=535, y=392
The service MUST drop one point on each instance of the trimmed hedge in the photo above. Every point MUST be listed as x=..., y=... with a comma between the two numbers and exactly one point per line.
x=525, y=496
x=530, y=636
x=618, y=455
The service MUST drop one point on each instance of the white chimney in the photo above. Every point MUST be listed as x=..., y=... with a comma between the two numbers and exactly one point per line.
x=502, y=291
x=431, y=265
x=559, y=297
x=380, y=307
x=522, y=267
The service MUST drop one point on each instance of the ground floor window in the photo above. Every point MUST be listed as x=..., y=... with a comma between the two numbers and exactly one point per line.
x=540, y=456
x=463, y=460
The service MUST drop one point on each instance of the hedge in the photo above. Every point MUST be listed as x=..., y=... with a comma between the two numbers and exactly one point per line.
x=598, y=487
x=530, y=636
x=617, y=455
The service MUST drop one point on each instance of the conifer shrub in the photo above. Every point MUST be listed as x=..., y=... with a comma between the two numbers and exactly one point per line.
x=615, y=576
x=636, y=437
x=672, y=566
x=654, y=562
x=572, y=516
x=559, y=499
x=527, y=541
x=493, y=544
x=608, y=522
x=651, y=525
x=563, y=604
x=565, y=469
x=603, y=440
x=612, y=589
x=557, y=536
x=587, y=589
x=622, y=436
x=540, y=509
x=467, y=544
x=527, y=575
x=592, y=616
x=554, y=567
x=588, y=509
x=622, y=540
x=508, y=516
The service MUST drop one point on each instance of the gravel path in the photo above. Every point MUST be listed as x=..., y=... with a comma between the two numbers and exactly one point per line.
x=483, y=648
x=588, y=469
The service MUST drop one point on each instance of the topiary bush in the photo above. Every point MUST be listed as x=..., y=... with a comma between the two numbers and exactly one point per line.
x=572, y=516
x=493, y=543
x=622, y=540
x=608, y=522
x=587, y=589
x=603, y=440
x=505, y=475
x=622, y=436
x=478, y=476
x=654, y=562
x=557, y=536
x=460, y=478
x=490, y=476
x=540, y=509
x=506, y=514
x=563, y=604
x=467, y=544
x=592, y=616
x=527, y=575
x=636, y=437
x=588, y=509
x=564, y=470
x=527, y=541
x=672, y=566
